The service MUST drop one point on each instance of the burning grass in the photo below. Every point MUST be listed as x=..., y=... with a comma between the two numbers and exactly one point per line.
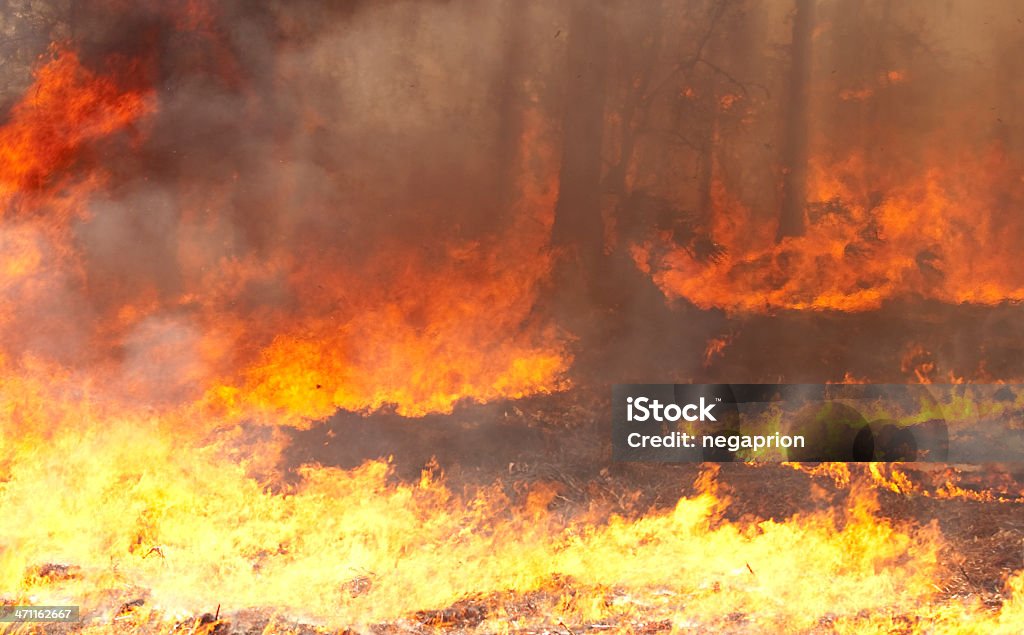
x=152, y=533
x=170, y=527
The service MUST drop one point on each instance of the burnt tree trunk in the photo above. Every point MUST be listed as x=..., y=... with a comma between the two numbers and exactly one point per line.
x=578, y=228
x=510, y=100
x=794, y=159
x=635, y=108
x=706, y=168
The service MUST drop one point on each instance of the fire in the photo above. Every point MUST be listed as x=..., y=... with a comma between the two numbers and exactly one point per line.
x=920, y=362
x=406, y=330
x=437, y=348
x=66, y=109
x=943, y=233
x=401, y=330
x=947, y=484
x=715, y=348
x=141, y=418
x=142, y=516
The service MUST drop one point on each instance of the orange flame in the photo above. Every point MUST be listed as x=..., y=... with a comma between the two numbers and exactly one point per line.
x=403, y=329
x=943, y=234
x=67, y=107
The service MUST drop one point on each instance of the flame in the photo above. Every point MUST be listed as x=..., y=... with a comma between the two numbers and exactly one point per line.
x=137, y=482
x=401, y=329
x=715, y=348
x=895, y=76
x=133, y=515
x=856, y=94
x=942, y=233
x=141, y=515
x=944, y=483
x=919, y=361
x=407, y=330
x=67, y=108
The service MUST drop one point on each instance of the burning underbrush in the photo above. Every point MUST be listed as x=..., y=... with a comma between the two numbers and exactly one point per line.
x=941, y=233
x=150, y=529
x=145, y=529
x=292, y=335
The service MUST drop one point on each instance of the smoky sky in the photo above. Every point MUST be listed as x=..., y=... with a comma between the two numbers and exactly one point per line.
x=330, y=131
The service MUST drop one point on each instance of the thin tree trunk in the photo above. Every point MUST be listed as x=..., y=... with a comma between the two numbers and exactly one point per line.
x=635, y=109
x=794, y=186
x=578, y=227
x=509, y=96
x=706, y=170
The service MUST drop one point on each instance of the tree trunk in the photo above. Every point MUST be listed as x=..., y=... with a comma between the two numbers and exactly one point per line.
x=508, y=94
x=794, y=185
x=578, y=227
x=706, y=169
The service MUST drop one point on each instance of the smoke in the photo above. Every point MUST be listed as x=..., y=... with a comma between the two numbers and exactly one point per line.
x=315, y=193
x=349, y=194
